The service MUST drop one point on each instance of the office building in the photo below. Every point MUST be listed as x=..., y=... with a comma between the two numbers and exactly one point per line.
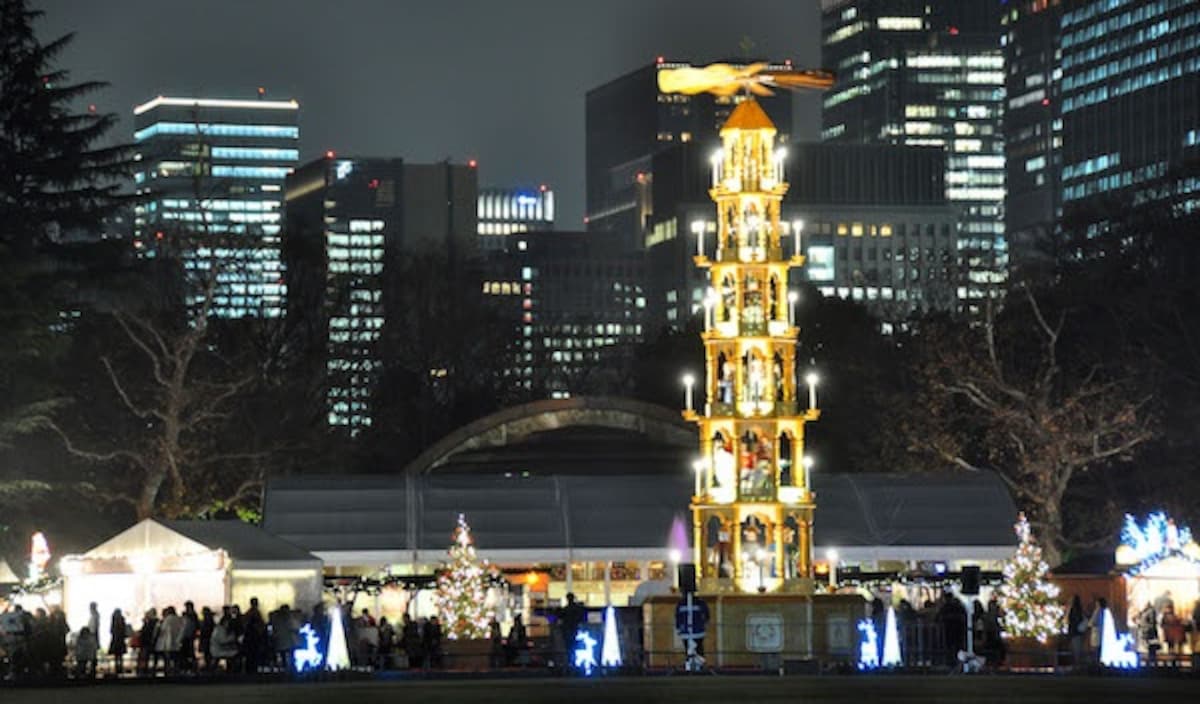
x=350, y=221
x=578, y=311
x=874, y=223
x=211, y=173
x=1130, y=105
x=628, y=121
x=929, y=73
x=1033, y=134
x=507, y=211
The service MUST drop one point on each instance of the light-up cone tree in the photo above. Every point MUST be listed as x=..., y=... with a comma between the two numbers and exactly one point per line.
x=1029, y=601
x=462, y=589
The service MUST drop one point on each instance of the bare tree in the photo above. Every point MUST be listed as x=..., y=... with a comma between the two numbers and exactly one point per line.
x=1006, y=398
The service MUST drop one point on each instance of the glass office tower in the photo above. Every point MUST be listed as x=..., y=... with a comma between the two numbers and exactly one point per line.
x=211, y=172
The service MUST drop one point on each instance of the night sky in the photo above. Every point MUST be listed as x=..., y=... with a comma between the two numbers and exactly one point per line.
x=502, y=81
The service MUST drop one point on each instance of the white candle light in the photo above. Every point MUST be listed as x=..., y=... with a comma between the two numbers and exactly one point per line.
x=792, y=298
x=797, y=228
x=832, y=556
x=811, y=379
x=688, y=382
x=808, y=464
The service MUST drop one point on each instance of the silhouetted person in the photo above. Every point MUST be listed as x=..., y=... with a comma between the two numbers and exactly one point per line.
x=118, y=631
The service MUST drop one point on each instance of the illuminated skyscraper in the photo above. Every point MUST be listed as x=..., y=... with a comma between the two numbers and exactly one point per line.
x=1130, y=104
x=510, y=211
x=929, y=73
x=350, y=221
x=1032, y=132
x=212, y=172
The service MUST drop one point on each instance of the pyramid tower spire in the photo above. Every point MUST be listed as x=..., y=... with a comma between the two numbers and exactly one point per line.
x=753, y=505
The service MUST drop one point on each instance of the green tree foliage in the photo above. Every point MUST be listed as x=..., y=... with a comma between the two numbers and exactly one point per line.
x=462, y=588
x=53, y=171
x=1027, y=598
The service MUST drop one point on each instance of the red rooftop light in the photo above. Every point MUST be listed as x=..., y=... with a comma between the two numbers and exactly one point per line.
x=329, y=154
x=472, y=163
x=660, y=60
x=954, y=31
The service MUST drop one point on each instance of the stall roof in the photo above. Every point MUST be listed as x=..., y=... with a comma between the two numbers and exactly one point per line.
x=248, y=545
x=242, y=541
x=359, y=514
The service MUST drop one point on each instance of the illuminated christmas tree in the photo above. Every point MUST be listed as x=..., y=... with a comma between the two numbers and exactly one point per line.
x=462, y=589
x=1030, y=603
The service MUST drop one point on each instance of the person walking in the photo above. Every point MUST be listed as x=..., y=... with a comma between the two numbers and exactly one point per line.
x=254, y=636
x=86, y=649
x=518, y=643
x=147, y=663
x=413, y=644
x=57, y=633
x=118, y=631
x=1077, y=632
x=496, y=654
x=93, y=623
x=224, y=645
x=387, y=643
x=208, y=623
x=1173, y=632
x=166, y=644
x=432, y=641
x=190, y=621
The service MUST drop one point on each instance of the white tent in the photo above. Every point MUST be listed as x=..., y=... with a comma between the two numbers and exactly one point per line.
x=165, y=563
x=7, y=576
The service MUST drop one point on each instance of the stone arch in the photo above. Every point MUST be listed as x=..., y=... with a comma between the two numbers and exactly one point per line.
x=514, y=424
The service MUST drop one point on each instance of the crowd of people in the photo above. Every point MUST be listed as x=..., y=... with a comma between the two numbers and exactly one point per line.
x=39, y=644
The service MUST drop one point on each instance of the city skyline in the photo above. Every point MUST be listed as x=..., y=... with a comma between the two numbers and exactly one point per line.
x=354, y=95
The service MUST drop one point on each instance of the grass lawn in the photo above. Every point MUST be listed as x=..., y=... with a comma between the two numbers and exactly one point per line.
x=684, y=690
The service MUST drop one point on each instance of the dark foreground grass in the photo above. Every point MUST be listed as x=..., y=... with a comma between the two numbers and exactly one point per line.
x=668, y=690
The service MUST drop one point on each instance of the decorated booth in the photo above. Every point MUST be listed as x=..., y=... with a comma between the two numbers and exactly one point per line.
x=210, y=563
x=1161, y=563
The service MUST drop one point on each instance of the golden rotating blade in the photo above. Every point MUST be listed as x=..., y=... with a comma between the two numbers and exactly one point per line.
x=725, y=80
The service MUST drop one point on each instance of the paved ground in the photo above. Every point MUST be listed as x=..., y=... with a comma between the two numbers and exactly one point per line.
x=685, y=690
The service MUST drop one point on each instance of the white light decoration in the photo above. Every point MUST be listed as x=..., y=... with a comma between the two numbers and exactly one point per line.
x=811, y=379
x=1116, y=651
x=1029, y=601
x=689, y=382
x=308, y=657
x=891, y=641
x=461, y=588
x=585, y=654
x=39, y=557
x=1158, y=537
x=610, y=654
x=338, y=656
x=868, y=646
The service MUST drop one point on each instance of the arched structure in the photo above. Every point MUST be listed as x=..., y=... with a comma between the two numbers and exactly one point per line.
x=518, y=423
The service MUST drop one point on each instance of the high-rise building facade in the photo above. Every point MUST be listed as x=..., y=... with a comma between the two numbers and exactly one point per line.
x=578, y=309
x=873, y=222
x=929, y=73
x=350, y=221
x=508, y=211
x=1130, y=104
x=1033, y=133
x=628, y=121
x=211, y=174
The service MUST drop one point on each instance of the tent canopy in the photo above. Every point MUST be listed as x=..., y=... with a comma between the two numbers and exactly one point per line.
x=249, y=546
